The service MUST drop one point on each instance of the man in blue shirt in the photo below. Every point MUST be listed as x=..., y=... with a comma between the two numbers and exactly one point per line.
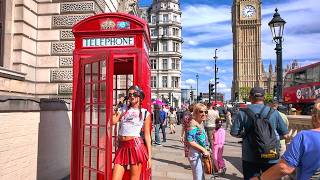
x=163, y=117
x=241, y=126
x=303, y=154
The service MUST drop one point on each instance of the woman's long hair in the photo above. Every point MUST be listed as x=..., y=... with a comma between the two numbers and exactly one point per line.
x=197, y=108
x=141, y=97
x=316, y=112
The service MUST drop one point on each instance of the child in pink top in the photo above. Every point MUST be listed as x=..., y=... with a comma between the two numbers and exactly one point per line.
x=218, y=140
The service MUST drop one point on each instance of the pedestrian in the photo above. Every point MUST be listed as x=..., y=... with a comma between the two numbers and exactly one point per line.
x=157, y=124
x=132, y=152
x=275, y=105
x=218, y=140
x=187, y=117
x=163, y=123
x=172, y=120
x=252, y=123
x=198, y=141
x=303, y=153
x=228, y=119
x=209, y=123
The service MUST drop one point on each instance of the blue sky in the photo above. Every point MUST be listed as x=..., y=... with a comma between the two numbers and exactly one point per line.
x=203, y=32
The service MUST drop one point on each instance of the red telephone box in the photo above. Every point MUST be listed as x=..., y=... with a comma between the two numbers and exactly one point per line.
x=111, y=54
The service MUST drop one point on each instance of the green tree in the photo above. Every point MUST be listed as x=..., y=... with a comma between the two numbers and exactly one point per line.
x=268, y=98
x=244, y=93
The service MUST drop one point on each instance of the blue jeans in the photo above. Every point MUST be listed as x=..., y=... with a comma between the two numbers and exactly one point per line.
x=156, y=133
x=251, y=169
x=194, y=158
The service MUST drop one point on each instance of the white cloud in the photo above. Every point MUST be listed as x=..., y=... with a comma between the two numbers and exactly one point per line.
x=211, y=29
x=187, y=84
x=192, y=17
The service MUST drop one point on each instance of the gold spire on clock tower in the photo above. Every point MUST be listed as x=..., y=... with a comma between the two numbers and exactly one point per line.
x=246, y=29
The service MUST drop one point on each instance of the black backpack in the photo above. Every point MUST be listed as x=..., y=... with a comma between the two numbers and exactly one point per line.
x=264, y=141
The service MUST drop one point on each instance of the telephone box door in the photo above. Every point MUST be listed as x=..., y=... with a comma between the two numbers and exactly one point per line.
x=96, y=132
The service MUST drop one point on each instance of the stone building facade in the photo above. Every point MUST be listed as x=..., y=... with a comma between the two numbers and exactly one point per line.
x=37, y=43
x=248, y=68
x=164, y=17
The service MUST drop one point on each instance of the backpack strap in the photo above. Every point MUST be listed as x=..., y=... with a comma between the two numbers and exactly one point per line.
x=253, y=116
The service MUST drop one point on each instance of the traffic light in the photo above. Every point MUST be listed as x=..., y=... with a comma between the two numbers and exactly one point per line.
x=191, y=94
x=211, y=89
x=274, y=91
x=236, y=96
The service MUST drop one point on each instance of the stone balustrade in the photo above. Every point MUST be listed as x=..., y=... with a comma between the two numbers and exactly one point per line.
x=299, y=122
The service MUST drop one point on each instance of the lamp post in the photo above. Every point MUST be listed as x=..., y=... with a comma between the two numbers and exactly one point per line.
x=215, y=75
x=197, y=77
x=277, y=27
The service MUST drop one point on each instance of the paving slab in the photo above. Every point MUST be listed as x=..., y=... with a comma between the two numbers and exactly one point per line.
x=169, y=162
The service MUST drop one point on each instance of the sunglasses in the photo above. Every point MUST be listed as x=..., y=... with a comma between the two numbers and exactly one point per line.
x=133, y=94
x=200, y=112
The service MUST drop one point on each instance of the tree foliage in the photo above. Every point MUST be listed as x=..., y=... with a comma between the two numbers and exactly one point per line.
x=268, y=98
x=244, y=93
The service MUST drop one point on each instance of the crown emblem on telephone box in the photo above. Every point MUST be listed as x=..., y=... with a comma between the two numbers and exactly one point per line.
x=108, y=24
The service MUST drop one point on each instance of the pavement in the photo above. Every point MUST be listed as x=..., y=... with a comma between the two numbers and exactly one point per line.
x=169, y=162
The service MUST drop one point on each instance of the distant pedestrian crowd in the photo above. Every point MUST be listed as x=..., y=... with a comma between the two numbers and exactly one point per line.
x=264, y=136
x=262, y=128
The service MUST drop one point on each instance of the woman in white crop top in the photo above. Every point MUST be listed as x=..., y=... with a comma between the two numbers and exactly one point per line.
x=132, y=151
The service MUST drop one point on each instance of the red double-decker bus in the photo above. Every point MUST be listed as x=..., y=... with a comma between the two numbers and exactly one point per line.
x=302, y=87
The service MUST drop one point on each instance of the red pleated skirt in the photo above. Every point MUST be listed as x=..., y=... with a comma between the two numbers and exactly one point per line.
x=131, y=152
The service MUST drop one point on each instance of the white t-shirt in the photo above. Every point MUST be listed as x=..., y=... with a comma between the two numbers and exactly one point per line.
x=211, y=118
x=131, y=123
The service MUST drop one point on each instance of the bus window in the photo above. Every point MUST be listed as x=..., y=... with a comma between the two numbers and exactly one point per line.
x=288, y=81
x=316, y=74
x=310, y=75
x=300, y=78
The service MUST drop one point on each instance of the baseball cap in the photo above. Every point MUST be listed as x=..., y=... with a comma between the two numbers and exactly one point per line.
x=257, y=92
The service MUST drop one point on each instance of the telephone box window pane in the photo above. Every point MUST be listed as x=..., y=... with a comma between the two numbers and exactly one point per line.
x=87, y=135
x=103, y=92
x=130, y=80
x=102, y=70
x=101, y=160
x=102, y=137
x=114, y=97
x=87, y=120
x=85, y=174
x=95, y=91
x=86, y=154
x=102, y=112
x=95, y=114
x=93, y=175
x=95, y=71
x=88, y=93
x=94, y=136
x=88, y=73
x=94, y=158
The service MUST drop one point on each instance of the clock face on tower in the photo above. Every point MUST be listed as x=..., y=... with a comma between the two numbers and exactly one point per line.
x=248, y=11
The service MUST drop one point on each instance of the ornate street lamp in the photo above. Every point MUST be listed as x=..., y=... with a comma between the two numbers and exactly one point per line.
x=197, y=77
x=277, y=27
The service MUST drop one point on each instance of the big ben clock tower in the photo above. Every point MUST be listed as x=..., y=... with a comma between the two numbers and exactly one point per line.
x=246, y=29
